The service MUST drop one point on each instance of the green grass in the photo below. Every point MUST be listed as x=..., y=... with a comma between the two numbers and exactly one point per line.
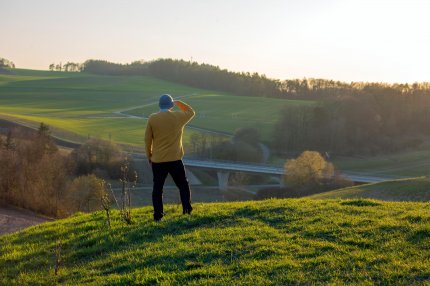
x=412, y=189
x=274, y=242
x=84, y=104
x=411, y=163
x=226, y=113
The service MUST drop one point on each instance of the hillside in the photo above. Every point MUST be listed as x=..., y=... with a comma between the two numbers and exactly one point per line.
x=412, y=189
x=85, y=105
x=409, y=163
x=273, y=242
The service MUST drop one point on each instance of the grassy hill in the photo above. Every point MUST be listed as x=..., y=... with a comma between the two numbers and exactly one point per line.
x=412, y=189
x=410, y=163
x=85, y=104
x=273, y=242
x=228, y=113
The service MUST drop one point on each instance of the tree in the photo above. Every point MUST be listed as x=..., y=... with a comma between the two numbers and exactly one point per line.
x=43, y=130
x=45, y=141
x=51, y=67
x=249, y=135
x=99, y=156
x=4, y=63
x=308, y=170
x=9, y=144
x=85, y=194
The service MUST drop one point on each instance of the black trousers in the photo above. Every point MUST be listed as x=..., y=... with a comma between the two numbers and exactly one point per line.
x=160, y=171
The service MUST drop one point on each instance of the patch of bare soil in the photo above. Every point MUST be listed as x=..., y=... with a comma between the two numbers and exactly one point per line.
x=15, y=219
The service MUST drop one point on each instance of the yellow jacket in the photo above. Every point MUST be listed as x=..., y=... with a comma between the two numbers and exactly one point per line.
x=163, y=135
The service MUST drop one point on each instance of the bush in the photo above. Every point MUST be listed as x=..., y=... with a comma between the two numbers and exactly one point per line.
x=84, y=194
x=103, y=158
x=307, y=170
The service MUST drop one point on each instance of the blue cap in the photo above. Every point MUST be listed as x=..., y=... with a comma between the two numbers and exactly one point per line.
x=166, y=101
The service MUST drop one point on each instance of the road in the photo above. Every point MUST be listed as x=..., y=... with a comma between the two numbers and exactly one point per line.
x=190, y=126
x=14, y=219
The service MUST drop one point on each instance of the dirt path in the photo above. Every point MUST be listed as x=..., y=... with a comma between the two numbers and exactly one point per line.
x=13, y=219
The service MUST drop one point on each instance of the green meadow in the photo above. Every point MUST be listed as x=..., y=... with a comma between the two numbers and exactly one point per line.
x=84, y=105
x=273, y=242
x=410, y=163
x=227, y=113
x=411, y=189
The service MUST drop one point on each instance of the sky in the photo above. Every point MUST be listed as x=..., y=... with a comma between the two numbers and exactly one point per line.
x=347, y=40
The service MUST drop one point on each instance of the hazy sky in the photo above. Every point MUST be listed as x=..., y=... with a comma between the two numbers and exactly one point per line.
x=369, y=40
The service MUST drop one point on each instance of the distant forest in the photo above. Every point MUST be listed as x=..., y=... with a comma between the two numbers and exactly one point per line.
x=250, y=84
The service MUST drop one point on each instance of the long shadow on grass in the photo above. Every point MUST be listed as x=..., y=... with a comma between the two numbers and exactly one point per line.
x=124, y=238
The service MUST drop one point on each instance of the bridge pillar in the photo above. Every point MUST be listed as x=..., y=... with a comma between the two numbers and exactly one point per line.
x=282, y=181
x=223, y=180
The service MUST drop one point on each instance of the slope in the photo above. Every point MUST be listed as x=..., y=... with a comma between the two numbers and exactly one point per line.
x=412, y=189
x=273, y=242
x=88, y=105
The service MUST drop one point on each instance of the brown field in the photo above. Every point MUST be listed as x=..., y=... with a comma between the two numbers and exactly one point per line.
x=14, y=219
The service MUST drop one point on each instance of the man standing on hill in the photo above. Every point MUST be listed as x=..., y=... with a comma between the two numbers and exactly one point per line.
x=163, y=145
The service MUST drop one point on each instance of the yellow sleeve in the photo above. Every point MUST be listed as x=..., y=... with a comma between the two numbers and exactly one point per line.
x=188, y=111
x=148, y=140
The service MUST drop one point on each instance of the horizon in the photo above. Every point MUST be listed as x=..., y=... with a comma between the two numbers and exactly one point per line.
x=261, y=74
x=359, y=41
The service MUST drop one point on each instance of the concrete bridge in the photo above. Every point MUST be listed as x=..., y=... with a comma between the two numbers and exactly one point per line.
x=224, y=168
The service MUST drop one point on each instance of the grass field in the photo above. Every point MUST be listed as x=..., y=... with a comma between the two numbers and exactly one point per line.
x=274, y=242
x=82, y=103
x=86, y=104
x=412, y=189
x=227, y=113
x=410, y=163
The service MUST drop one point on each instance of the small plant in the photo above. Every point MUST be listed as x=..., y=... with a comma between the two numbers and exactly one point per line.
x=127, y=185
x=106, y=201
x=57, y=253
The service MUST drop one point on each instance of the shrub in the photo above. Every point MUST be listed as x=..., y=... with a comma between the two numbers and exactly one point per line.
x=103, y=158
x=84, y=194
x=307, y=170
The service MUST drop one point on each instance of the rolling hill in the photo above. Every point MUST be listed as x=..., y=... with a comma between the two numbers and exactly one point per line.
x=80, y=105
x=273, y=242
x=412, y=189
x=88, y=105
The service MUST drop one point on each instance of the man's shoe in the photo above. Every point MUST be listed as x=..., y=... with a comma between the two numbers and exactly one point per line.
x=158, y=217
x=187, y=211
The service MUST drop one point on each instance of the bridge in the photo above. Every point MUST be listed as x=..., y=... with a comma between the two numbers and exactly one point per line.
x=224, y=168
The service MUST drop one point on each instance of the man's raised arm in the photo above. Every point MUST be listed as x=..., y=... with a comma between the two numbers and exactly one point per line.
x=188, y=110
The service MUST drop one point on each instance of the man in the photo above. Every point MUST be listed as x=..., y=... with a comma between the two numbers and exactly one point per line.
x=163, y=145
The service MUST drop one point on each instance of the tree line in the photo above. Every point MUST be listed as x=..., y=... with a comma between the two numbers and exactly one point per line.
x=351, y=125
x=191, y=73
x=250, y=84
x=67, y=67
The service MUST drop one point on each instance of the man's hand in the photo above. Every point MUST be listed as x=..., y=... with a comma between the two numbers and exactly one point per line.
x=182, y=106
x=150, y=162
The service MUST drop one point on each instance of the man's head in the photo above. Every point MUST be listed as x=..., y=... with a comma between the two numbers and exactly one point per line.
x=166, y=101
